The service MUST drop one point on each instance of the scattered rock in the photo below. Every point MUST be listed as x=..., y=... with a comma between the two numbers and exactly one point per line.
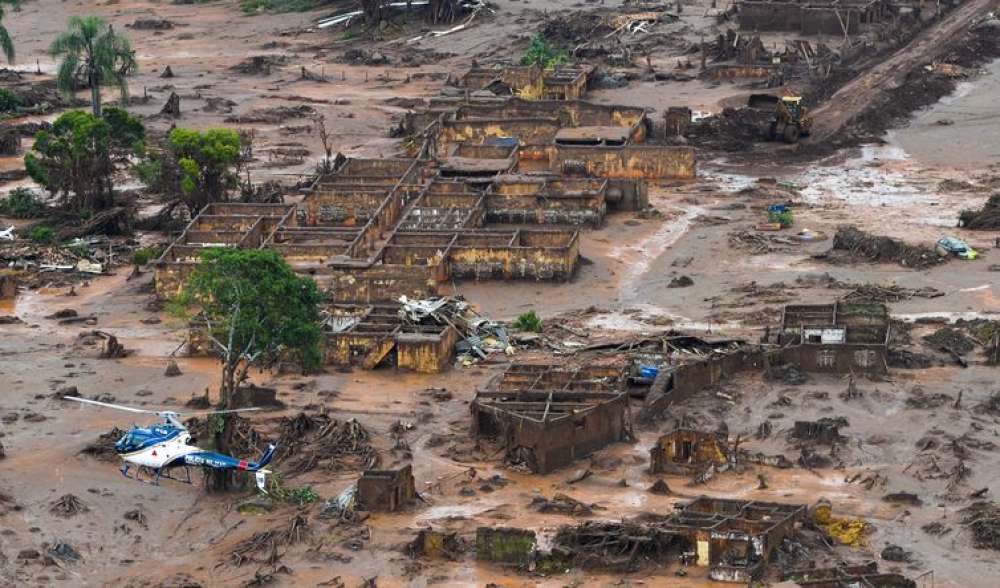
x=10, y=320
x=216, y=104
x=896, y=553
x=70, y=391
x=907, y=498
x=659, y=487
x=151, y=24
x=63, y=551
x=259, y=64
x=680, y=282
x=167, y=72
x=63, y=314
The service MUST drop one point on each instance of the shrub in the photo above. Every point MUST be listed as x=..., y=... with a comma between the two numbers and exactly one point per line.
x=22, y=203
x=42, y=234
x=528, y=321
x=251, y=7
x=278, y=491
x=144, y=255
x=785, y=219
x=9, y=101
x=541, y=52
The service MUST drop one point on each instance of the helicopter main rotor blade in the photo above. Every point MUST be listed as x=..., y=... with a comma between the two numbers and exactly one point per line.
x=219, y=411
x=108, y=405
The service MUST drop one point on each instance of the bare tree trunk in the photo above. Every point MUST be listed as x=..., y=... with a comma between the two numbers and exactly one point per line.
x=95, y=95
x=222, y=480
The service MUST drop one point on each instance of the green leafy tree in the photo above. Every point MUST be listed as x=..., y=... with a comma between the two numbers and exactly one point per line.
x=77, y=157
x=541, y=52
x=206, y=162
x=256, y=311
x=93, y=56
x=6, y=43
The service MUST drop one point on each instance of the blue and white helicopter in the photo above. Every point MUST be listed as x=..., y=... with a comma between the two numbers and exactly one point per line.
x=167, y=445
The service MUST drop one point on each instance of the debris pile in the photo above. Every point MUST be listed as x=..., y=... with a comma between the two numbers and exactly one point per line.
x=881, y=249
x=983, y=519
x=262, y=547
x=869, y=293
x=614, y=546
x=259, y=65
x=731, y=130
x=104, y=448
x=987, y=217
x=68, y=506
x=310, y=441
x=563, y=504
x=274, y=115
x=480, y=336
x=951, y=340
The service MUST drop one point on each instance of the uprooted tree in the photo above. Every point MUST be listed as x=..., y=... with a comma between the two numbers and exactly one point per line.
x=78, y=156
x=256, y=312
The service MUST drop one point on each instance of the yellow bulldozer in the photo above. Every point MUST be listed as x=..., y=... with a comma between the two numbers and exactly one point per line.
x=791, y=120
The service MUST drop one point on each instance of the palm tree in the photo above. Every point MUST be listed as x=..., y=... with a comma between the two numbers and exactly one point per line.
x=6, y=43
x=94, y=55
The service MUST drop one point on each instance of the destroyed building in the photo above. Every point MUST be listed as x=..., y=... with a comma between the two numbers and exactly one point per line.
x=386, y=490
x=836, y=338
x=866, y=575
x=822, y=17
x=420, y=335
x=734, y=539
x=548, y=429
x=562, y=82
x=370, y=336
x=682, y=448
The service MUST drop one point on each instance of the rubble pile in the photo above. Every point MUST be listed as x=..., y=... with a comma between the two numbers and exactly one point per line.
x=733, y=129
x=614, y=546
x=563, y=504
x=480, y=336
x=875, y=248
x=53, y=265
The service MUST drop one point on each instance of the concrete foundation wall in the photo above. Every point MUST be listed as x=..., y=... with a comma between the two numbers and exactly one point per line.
x=838, y=359
x=427, y=354
x=535, y=131
x=386, y=490
x=558, y=442
x=378, y=283
x=652, y=162
x=169, y=278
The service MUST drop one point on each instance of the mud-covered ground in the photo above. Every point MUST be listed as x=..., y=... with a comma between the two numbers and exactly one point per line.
x=186, y=535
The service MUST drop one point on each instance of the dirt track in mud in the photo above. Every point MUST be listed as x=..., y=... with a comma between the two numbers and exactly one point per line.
x=860, y=93
x=632, y=259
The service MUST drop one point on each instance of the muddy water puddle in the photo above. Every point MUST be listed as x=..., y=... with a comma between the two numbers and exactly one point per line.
x=961, y=130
